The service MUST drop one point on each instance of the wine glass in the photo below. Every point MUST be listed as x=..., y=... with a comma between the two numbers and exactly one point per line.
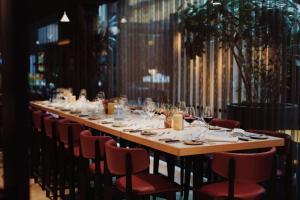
x=148, y=100
x=207, y=114
x=150, y=109
x=100, y=96
x=181, y=106
x=190, y=114
x=83, y=93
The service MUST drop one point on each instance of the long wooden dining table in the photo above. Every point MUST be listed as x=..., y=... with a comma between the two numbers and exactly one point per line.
x=191, y=153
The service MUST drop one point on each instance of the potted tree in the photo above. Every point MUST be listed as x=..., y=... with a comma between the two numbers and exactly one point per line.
x=248, y=28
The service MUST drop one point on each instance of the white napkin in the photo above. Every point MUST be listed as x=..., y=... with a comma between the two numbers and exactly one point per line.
x=214, y=138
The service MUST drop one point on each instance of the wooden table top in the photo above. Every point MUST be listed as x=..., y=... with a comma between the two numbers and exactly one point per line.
x=177, y=149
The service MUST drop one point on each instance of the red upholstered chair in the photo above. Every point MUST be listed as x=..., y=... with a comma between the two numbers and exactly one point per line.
x=284, y=158
x=225, y=123
x=51, y=155
x=92, y=149
x=131, y=164
x=243, y=171
x=69, y=133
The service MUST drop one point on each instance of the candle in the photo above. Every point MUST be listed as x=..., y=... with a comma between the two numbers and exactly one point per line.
x=72, y=99
x=178, y=122
x=110, y=108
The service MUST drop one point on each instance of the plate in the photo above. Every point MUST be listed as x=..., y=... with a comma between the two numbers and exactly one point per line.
x=214, y=128
x=132, y=130
x=148, y=133
x=259, y=137
x=65, y=109
x=106, y=122
x=75, y=112
x=118, y=125
x=83, y=115
x=193, y=142
x=94, y=117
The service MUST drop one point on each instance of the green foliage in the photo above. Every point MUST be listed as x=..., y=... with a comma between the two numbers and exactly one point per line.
x=243, y=26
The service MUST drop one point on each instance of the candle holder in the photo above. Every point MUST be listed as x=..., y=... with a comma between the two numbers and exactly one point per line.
x=168, y=122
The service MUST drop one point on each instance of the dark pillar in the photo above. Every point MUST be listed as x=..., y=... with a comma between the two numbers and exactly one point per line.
x=13, y=44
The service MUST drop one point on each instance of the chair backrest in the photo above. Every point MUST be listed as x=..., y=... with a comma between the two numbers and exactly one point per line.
x=88, y=142
x=284, y=150
x=63, y=131
x=50, y=123
x=249, y=167
x=116, y=158
x=225, y=123
x=37, y=117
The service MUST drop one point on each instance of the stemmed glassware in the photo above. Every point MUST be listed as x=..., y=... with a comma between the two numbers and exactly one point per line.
x=100, y=96
x=190, y=115
x=207, y=115
x=181, y=106
x=83, y=94
x=150, y=108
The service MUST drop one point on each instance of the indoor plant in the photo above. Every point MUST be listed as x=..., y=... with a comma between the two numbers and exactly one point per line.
x=247, y=28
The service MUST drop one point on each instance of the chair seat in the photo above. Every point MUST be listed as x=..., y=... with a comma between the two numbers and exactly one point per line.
x=93, y=166
x=147, y=184
x=243, y=191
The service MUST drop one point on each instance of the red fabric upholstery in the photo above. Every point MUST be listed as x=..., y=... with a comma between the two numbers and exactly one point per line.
x=249, y=167
x=225, y=123
x=243, y=191
x=116, y=158
x=147, y=184
x=37, y=117
x=49, y=122
x=93, y=166
x=63, y=126
x=287, y=139
x=87, y=142
x=142, y=183
x=76, y=151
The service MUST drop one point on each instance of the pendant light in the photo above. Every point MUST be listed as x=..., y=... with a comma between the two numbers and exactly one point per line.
x=65, y=18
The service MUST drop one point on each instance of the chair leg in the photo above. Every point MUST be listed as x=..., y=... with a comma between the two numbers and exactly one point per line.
x=181, y=173
x=62, y=174
x=155, y=162
x=55, y=172
x=35, y=155
x=48, y=167
x=43, y=160
x=71, y=179
x=83, y=179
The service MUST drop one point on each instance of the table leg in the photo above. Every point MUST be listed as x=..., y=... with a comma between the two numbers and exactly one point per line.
x=187, y=177
x=155, y=162
x=197, y=173
x=170, y=166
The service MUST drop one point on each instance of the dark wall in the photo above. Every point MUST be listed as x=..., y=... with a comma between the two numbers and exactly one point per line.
x=13, y=45
x=76, y=63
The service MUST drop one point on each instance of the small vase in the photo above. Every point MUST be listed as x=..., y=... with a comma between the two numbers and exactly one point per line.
x=168, y=122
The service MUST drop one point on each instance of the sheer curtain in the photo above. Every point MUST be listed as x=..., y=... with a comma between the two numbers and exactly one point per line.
x=152, y=61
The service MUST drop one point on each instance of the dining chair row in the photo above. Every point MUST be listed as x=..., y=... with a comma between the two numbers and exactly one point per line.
x=67, y=157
